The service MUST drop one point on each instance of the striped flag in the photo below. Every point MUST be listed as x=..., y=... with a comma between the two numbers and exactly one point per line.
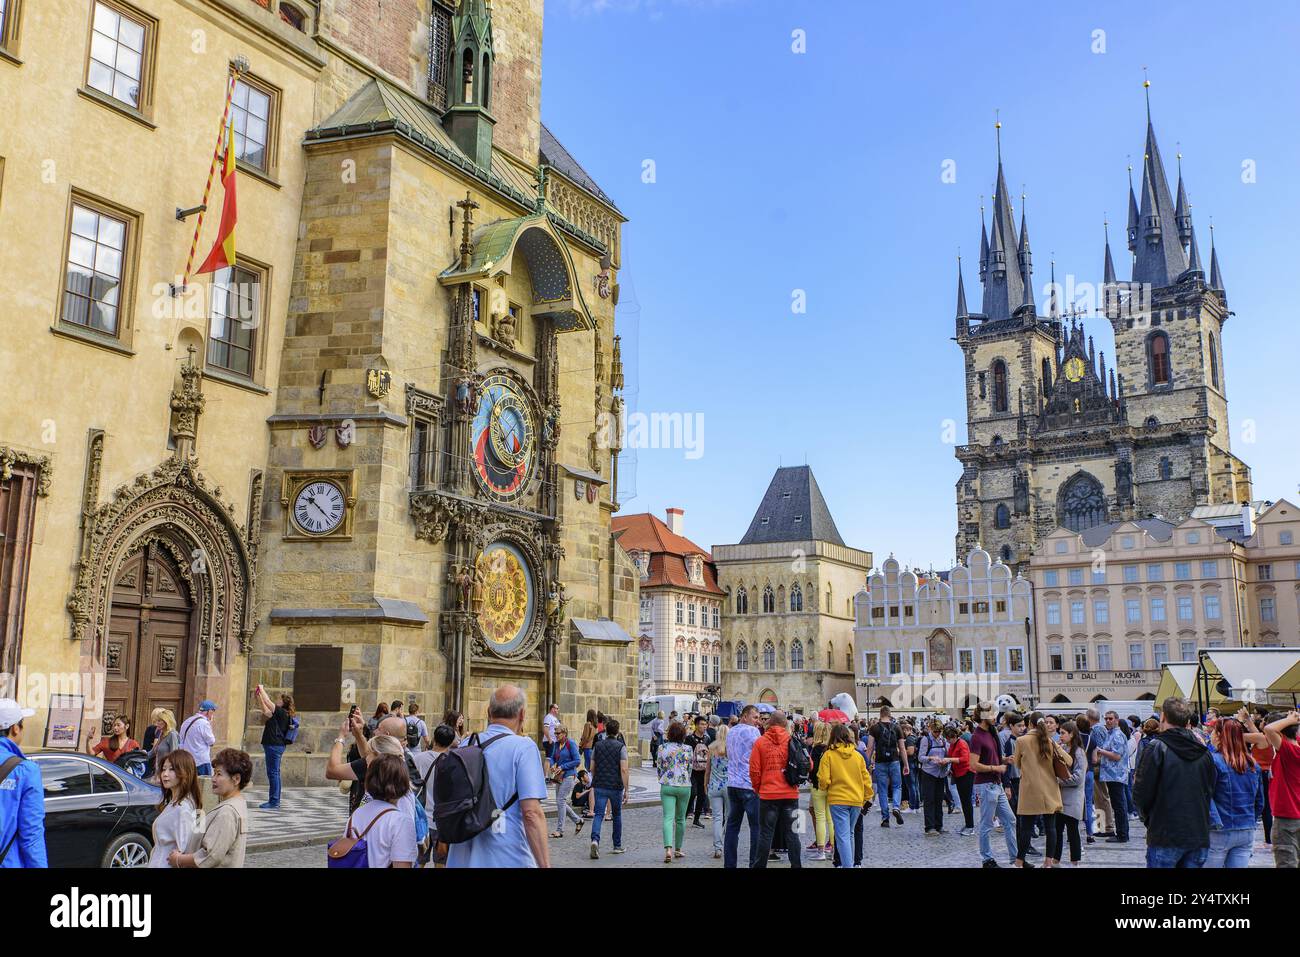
x=222, y=255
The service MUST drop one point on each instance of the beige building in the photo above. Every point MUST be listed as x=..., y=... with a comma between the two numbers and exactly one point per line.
x=787, y=625
x=360, y=490
x=1116, y=602
x=944, y=641
x=679, y=631
x=130, y=480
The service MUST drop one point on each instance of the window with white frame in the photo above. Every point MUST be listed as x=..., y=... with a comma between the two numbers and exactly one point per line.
x=1076, y=576
x=1159, y=653
x=1055, y=658
x=990, y=660
x=691, y=663
x=1212, y=610
x=1099, y=576
x=1133, y=611
x=1051, y=578
x=1210, y=569
x=1053, y=612
x=1284, y=538
x=1187, y=651
x=1130, y=573
x=680, y=608
x=1268, y=609
x=966, y=661
x=1157, y=609
x=717, y=668
x=646, y=606
x=1265, y=572
x=1077, y=613
x=1103, y=657
x=715, y=616
x=895, y=660
x=1185, y=608
x=1080, y=657
x=690, y=613
x=1100, y=611
x=1016, y=660
x=1155, y=573
x=1137, y=658
x=918, y=662
x=681, y=666
x=1183, y=571
x=870, y=664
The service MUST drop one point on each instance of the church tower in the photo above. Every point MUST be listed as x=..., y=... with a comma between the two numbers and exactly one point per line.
x=468, y=118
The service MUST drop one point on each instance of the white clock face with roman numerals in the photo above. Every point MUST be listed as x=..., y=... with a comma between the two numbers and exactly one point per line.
x=319, y=508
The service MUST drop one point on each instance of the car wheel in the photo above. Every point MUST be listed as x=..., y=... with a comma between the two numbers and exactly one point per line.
x=128, y=850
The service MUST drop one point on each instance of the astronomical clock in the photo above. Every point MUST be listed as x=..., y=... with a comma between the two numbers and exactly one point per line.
x=503, y=440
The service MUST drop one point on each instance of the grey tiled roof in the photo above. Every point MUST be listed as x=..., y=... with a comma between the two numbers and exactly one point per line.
x=792, y=510
x=553, y=153
x=1157, y=528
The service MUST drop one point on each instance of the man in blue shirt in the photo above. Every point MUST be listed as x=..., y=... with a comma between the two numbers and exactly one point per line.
x=22, y=796
x=1112, y=749
x=514, y=767
x=741, y=799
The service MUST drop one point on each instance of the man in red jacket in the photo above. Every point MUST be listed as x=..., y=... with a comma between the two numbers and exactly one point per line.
x=778, y=800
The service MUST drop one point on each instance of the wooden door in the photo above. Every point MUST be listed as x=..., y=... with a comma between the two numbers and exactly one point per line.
x=147, y=652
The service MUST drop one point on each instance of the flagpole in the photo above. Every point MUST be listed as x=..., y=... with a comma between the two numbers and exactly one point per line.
x=236, y=68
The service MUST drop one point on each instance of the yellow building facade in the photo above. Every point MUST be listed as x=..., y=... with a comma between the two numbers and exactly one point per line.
x=421, y=267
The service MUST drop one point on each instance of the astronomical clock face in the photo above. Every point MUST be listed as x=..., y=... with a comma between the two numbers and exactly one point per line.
x=503, y=439
x=508, y=606
x=1074, y=370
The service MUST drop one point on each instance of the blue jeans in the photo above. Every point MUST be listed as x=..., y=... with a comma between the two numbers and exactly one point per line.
x=718, y=806
x=1119, y=807
x=586, y=758
x=1128, y=794
x=888, y=780
x=1087, y=801
x=845, y=818
x=1177, y=856
x=204, y=770
x=274, y=752
x=1231, y=847
x=994, y=805
x=741, y=802
x=912, y=787
x=612, y=799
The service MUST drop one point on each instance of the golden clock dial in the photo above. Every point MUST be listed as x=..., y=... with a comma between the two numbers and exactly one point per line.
x=1074, y=369
x=505, y=589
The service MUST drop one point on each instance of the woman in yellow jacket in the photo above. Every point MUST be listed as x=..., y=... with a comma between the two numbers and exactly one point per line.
x=843, y=776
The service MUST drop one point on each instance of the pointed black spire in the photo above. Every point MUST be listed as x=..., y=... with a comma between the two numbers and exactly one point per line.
x=1182, y=208
x=962, y=312
x=1194, y=257
x=1160, y=257
x=1003, y=287
x=1026, y=258
x=1108, y=270
x=984, y=243
x=1053, y=303
x=1216, y=279
x=1132, y=213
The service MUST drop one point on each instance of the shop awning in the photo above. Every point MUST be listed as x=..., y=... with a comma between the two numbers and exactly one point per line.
x=1267, y=670
x=1177, y=680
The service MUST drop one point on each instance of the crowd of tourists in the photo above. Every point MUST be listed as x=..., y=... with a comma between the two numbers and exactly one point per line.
x=447, y=798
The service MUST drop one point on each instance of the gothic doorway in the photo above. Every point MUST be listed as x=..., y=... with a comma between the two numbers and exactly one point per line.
x=147, y=651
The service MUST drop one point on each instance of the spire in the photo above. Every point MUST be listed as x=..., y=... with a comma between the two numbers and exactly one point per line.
x=962, y=312
x=1025, y=257
x=1160, y=257
x=1194, y=257
x=1108, y=270
x=1216, y=279
x=984, y=243
x=1003, y=287
x=1132, y=213
x=1053, y=304
x=1182, y=208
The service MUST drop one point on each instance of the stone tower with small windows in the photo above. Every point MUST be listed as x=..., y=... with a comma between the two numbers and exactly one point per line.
x=1054, y=437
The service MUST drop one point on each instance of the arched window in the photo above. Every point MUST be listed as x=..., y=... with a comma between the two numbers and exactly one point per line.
x=1006, y=554
x=467, y=76
x=486, y=81
x=1047, y=377
x=1002, y=517
x=293, y=16
x=1158, y=358
x=769, y=600
x=1166, y=468
x=796, y=598
x=999, y=386
x=848, y=660
x=1083, y=503
x=742, y=657
x=742, y=601
x=780, y=655
x=769, y=657
x=796, y=655
x=1214, y=362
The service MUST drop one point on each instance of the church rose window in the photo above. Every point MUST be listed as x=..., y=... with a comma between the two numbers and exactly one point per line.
x=1083, y=503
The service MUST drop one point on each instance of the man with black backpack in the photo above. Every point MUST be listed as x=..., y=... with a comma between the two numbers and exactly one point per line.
x=417, y=732
x=488, y=793
x=777, y=766
x=886, y=751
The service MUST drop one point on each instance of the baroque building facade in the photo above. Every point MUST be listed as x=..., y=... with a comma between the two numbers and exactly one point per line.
x=355, y=486
x=944, y=641
x=1117, y=601
x=1054, y=436
x=787, y=624
x=679, y=629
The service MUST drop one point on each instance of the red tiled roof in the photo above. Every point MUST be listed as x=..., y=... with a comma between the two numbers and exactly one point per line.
x=644, y=532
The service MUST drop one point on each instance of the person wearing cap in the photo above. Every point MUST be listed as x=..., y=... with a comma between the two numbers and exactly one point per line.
x=198, y=738
x=22, y=795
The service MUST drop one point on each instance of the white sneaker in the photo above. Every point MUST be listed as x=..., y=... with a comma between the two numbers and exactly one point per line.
x=816, y=855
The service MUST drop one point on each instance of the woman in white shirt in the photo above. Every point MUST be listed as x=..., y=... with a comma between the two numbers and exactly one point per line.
x=391, y=841
x=178, y=810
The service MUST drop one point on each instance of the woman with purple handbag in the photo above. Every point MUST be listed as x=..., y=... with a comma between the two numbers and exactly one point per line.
x=374, y=837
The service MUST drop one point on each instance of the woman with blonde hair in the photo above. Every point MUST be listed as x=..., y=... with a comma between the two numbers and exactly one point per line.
x=715, y=787
x=823, y=828
x=178, y=809
x=1036, y=755
x=165, y=742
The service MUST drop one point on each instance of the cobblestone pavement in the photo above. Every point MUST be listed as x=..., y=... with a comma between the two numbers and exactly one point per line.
x=904, y=846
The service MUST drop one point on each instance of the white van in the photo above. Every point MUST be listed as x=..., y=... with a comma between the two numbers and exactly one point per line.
x=667, y=703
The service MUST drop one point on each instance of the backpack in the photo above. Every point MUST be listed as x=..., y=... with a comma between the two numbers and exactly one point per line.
x=349, y=851
x=421, y=813
x=887, y=742
x=413, y=733
x=291, y=733
x=5, y=769
x=463, y=806
x=797, y=765
x=700, y=757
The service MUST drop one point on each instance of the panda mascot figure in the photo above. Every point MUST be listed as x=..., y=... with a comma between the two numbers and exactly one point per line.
x=845, y=703
x=1005, y=703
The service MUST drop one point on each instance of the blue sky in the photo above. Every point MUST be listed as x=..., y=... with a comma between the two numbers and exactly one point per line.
x=777, y=171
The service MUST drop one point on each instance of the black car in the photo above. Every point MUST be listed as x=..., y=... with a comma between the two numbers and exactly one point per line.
x=96, y=814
